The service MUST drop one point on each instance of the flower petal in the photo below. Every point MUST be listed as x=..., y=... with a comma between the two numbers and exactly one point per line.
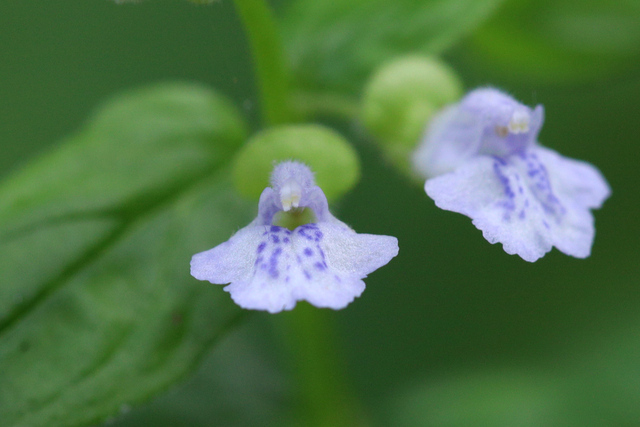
x=232, y=260
x=515, y=202
x=356, y=254
x=320, y=263
x=453, y=137
x=485, y=122
x=475, y=190
x=574, y=180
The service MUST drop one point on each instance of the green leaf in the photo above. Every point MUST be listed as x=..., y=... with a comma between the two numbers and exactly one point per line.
x=555, y=41
x=492, y=398
x=97, y=307
x=337, y=44
x=240, y=384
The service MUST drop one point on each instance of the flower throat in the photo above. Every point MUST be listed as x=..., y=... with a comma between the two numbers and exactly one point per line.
x=294, y=218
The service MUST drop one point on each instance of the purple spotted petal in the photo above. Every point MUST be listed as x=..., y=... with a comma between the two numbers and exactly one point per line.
x=322, y=263
x=528, y=202
x=271, y=268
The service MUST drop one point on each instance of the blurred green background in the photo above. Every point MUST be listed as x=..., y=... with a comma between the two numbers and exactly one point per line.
x=454, y=331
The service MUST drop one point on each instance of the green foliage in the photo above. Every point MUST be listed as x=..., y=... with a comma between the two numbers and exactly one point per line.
x=332, y=159
x=98, y=310
x=594, y=385
x=559, y=40
x=492, y=399
x=337, y=44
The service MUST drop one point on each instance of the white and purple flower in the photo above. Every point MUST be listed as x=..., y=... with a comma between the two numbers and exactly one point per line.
x=482, y=159
x=294, y=250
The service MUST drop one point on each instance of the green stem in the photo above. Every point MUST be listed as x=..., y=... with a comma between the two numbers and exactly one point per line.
x=308, y=332
x=325, y=396
x=269, y=60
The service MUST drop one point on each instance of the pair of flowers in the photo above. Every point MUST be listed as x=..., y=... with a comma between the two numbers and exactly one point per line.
x=481, y=158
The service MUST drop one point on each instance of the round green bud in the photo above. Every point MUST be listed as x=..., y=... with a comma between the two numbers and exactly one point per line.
x=401, y=98
x=332, y=159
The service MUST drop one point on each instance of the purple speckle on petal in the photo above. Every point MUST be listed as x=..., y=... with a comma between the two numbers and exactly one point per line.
x=541, y=187
x=303, y=233
x=286, y=240
x=273, y=269
x=319, y=265
x=308, y=252
x=261, y=246
x=306, y=274
x=274, y=229
x=273, y=263
x=275, y=238
x=504, y=181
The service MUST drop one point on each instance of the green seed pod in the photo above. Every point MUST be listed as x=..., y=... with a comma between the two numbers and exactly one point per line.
x=332, y=159
x=401, y=98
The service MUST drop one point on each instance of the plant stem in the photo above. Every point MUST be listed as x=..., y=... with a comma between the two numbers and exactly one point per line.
x=269, y=60
x=325, y=397
x=307, y=331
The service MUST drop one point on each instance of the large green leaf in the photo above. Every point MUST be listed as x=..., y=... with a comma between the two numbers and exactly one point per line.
x=561, y=40
x=97, y=307
x=336, y=44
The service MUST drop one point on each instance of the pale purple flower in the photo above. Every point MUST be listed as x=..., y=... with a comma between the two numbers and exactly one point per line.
x=271, y=267
x=483, y=160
